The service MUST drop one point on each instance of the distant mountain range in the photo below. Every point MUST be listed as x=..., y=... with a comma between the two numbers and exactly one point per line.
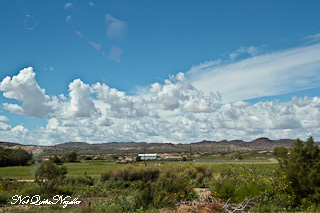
x=261, y=144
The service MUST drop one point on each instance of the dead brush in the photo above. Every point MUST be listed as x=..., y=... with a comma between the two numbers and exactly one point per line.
x=211, y=205
x=200, y=208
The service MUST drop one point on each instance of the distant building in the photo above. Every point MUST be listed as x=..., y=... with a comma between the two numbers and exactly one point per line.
x=148, y=156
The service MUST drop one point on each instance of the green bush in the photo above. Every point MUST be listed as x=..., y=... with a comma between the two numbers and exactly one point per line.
x=55, y=159
x=49, y=176
x=114, y=157
x=271, y=190
x=226, y=189
x=156, y=187
x=88, y=158
x=83, y=180
x=302, y=167
x=8, y=189
x=71, y=157
x=131, y=173
x=240, y=183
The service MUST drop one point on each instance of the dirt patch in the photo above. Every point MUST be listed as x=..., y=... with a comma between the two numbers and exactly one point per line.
x=25, y=180
x=14, y=208
x=200, y=208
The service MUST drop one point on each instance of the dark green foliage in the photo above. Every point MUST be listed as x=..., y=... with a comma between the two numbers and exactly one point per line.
x=226, y=188
x=55, y=159
x=114, y=157
x=145, y=196
x=237, y=184
x=71, y=157
x=302, y=167
x=14, y=157
x=281, y=154
x=138, y=158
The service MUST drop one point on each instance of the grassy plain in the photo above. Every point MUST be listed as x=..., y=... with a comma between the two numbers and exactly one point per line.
x=96, y=168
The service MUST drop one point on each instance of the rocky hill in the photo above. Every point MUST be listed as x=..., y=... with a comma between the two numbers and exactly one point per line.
x=261, y=144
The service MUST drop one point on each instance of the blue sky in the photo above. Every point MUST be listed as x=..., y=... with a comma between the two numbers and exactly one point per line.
x=163, y=71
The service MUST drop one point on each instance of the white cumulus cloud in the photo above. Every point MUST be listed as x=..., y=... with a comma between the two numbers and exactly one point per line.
x=178, y=92
x=81, y=103
x=3, y=118
x=23, y=87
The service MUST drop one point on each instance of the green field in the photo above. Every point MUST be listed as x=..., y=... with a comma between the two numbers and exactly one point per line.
x=95, y=169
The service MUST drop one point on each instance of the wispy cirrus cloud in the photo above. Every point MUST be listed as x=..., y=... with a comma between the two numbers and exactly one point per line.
x=314, y=38
x=252, y=51
x=266, y=74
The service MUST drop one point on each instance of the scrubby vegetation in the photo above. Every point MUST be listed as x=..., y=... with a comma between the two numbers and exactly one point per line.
x=49, y=176
x=156, y=187
x=302, y=168
x=293, y=186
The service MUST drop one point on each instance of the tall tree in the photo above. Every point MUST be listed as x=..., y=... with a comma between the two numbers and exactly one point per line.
x=302, y=167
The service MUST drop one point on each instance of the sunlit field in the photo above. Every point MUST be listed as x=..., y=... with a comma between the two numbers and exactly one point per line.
x=96, y=168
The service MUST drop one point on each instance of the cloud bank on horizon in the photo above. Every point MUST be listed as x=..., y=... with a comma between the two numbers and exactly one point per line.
x=206, y=103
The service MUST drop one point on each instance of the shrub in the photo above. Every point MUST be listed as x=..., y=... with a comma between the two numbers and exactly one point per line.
x=279, y=194
x=114, y=157
x=281, y=154
x=82, y=180
x=272, y=190
x=48, y=176
x=236, y=156
x=156, y=187
x=302, y=168
x=225, y=189
x=71, y=157
x=237, y=184
x=7, y=190
x=55, y=159
x=138, y=158
x=130, y=173
x=88, y=158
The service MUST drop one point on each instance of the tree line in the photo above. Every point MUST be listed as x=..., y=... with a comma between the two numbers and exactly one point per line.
x=14, y=157
x=20, y=157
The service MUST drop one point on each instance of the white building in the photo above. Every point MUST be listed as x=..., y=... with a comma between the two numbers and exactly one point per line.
x=148, y=156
